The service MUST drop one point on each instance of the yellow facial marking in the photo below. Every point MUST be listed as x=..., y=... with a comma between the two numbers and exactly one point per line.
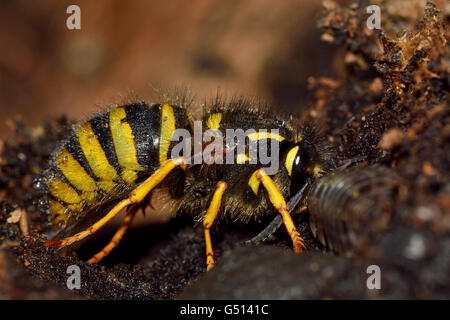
x=96, y=157
x=265, y=135
x=123, y=143
x=242, y=158
x=290, y=159
x=74, y=172
x=167, y=129
x=254, y=183
x=63, y=191
x=213, y=121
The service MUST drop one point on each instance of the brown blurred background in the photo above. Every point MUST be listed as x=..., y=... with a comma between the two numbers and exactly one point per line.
x=251, y=48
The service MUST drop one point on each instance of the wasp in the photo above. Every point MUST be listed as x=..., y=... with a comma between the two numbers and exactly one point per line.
x=119, y=157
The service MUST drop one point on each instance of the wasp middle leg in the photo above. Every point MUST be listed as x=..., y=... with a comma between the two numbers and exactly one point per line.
x=210, y=217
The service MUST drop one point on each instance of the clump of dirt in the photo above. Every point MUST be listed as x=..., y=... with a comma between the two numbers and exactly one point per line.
x=390, y=107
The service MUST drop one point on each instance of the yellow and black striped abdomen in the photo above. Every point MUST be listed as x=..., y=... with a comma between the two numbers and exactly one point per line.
x=104, y=157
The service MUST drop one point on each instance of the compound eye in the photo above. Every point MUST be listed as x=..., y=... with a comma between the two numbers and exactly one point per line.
x=297, y=167
x=296, y=161
x=299, y=172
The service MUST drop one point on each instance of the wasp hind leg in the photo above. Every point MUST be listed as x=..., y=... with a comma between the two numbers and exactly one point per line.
x=135, y=197
x=210, y=217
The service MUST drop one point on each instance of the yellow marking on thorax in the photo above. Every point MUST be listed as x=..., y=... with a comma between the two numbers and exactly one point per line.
x=74, y=172
x=95, y=156
x=213, y=121
x=63, y=191
x=167, y=129
x=242, y=158
x=265, y=135
x=290, y=159
x=123, y=139
x=254, y=183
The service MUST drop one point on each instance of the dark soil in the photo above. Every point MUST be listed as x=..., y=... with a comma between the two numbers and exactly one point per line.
x=391, y=107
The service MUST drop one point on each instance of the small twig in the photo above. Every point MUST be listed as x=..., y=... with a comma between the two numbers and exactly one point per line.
x=24, y=224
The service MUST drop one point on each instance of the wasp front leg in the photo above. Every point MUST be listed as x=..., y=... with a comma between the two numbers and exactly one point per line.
x=279, y=203
x=210, y=217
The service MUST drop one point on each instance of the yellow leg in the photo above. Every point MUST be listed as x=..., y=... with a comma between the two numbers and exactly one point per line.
x=116, y=238
x=279, y=203
x=210, y=217
x=135, y=197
